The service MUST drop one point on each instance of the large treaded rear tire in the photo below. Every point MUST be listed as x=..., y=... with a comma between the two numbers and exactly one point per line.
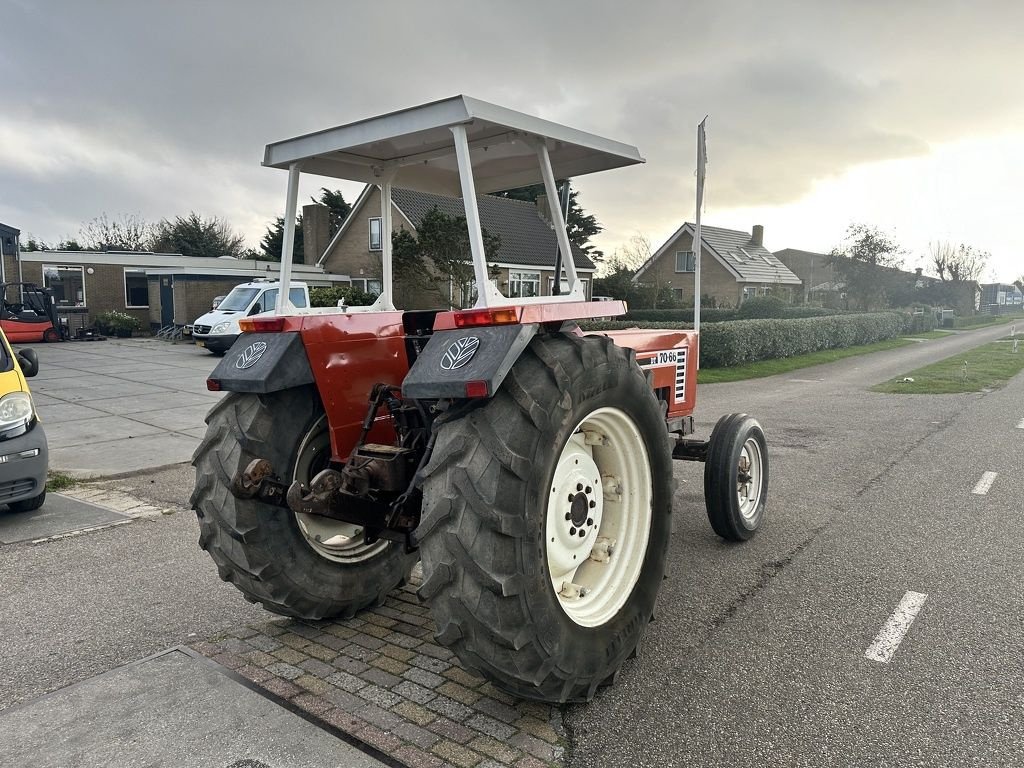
x=485, y=529
x=258, y=547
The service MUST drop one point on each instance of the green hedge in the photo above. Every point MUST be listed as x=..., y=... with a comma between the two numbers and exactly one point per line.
x=329, y=296
x=747, y=341
x=756, y=310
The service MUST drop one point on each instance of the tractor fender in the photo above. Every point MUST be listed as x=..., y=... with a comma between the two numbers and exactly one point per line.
x=263, y=362
x=453, y=359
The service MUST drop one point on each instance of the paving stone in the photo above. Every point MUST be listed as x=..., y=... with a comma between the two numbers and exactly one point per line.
x=530, y=762
x=449, y=708
x=345, y=700
x=263, y=643
x=491, y=764
x=414, y=692
x=488, y=689
x=417, y=758
x=536, y=747
x=382, y=697
x=411, y=629
x=313, y=684
x=531, y=708
x=346, y=682
x=375, y=617
x=388, y=664
x=259, y=658
x=458, y=692
x=292, y=640
x=205, y=648
x=339, y=630
x=229, y=660
x=318, y=668
x=405, y=641
x=497, y=710
x=256, y=674
x=388, y=611
x=374, y=630
x=538, y=728
x=416, y=735
x=414, y=712
x=380, y=677
x=272, y=628
x=347, y=664
x=503, y=753
x=457, y=754
x=400, y=654
x=383, y=741
x=423, y=677
x=287, y=671
x=289, y=655
x=452, y=730
x=461, y=676
x=346, y=721
x=435, y=651
x=302, y=630
x=381, y=718
x=437, y=666
x=281, y=688
x=355, y=622
x=321, y=652
x=333, y=642
x=232, y=645
x=313, y=704
x=491, y=727
x=367, y=641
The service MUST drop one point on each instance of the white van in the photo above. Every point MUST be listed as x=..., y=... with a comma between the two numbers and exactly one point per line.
x=218, y=329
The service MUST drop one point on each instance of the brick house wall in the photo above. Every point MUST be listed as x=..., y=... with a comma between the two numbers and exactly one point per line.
x=715, y=280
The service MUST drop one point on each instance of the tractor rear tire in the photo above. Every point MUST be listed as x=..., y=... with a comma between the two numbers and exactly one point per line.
x=263, y=549
x=546, y=523
x=736, y=477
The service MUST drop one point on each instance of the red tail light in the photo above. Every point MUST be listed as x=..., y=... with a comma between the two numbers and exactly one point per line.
x=476, y=389
x=213, y=385
x=261, y=324
x=476, y=317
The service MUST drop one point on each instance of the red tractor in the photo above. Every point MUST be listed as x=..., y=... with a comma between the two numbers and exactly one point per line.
x=527, y=464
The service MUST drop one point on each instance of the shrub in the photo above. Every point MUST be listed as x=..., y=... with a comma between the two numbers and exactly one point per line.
x=116, y=323
x=761, y=307
x=329, y=296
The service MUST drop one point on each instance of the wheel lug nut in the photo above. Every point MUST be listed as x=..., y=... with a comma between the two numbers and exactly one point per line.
x=593, y=503
x=582, y=533
x=571, y=497
x=579, y=486
x=590, y=521
x=572, y=531
x=568, y=515
x=589, y=490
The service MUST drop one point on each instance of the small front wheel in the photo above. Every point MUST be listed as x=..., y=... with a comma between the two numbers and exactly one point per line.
x=736, y=477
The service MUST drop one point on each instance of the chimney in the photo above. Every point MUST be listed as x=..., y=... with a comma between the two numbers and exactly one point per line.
x=543, y=209
x=316, y=226
x=918, y=271
x=757, y=235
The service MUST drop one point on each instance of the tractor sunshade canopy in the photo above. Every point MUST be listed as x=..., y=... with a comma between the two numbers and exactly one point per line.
x=415, y=145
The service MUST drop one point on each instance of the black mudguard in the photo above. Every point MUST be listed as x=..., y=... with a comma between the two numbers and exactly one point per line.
x=451, y=359
x=264, y=362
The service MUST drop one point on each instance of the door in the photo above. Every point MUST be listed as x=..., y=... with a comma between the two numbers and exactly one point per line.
x=166, y=300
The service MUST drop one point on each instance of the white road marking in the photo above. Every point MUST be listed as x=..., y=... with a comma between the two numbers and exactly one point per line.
x=893, y=631
x=985, y=483
x=1020, y=424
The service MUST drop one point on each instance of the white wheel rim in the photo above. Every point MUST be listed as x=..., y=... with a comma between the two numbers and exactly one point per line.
x=333, y=539
x=749, y=478
x=598, y=519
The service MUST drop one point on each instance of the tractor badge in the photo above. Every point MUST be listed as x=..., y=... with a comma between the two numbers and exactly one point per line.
x=460, y=352
x=251, y=355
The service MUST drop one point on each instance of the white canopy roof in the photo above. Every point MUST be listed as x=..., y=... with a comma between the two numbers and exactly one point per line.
x=418, y=143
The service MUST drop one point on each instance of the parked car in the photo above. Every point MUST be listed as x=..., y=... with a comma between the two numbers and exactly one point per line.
x=218, y=329
x=23, y=451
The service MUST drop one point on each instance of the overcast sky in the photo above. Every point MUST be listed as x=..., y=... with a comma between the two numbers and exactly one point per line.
x=904, y=115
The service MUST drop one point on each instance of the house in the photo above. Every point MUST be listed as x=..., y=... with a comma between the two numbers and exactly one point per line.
x=1001, y=297
x=158, y=289
x=735, y=266
x=525, y=262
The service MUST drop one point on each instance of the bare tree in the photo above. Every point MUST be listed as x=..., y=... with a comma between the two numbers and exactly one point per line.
x=959, y=263
x=127, y=232
x=634, y=252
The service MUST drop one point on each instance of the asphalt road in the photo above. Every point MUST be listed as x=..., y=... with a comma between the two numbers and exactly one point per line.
x=758, y=652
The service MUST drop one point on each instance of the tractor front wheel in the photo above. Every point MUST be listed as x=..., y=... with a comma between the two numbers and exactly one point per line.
x=299, y=565
x=546, y=521
x=736, y=477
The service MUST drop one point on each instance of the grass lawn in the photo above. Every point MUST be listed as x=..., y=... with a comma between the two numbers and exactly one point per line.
x=764, y=368
x=982, y=321
x=986, y=367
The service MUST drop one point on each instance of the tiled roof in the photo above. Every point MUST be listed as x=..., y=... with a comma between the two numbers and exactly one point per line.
x=753, y=263
x=525, y=237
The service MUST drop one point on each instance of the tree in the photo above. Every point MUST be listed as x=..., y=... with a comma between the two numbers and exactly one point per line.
x=128, y=232
x=868, y=262
x=438, y=259
x=579, y=226
x=957, y=264
x=335, y=202
x=272, y=243
x=193, y=235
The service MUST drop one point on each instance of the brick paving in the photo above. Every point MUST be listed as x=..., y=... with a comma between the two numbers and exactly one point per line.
x=382, y=679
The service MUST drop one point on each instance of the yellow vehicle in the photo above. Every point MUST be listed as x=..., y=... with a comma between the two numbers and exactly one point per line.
x=23, y=453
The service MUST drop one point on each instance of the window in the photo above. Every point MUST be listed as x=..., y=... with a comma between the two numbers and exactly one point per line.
x=375, y=234
x=523, y=284
x=67, y=284
x=685, y=261
x=367, y=285
x=136, y=290
x=677, y=294
x=565, y=286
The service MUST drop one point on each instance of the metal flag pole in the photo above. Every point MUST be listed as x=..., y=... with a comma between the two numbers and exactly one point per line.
x=702, y=160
